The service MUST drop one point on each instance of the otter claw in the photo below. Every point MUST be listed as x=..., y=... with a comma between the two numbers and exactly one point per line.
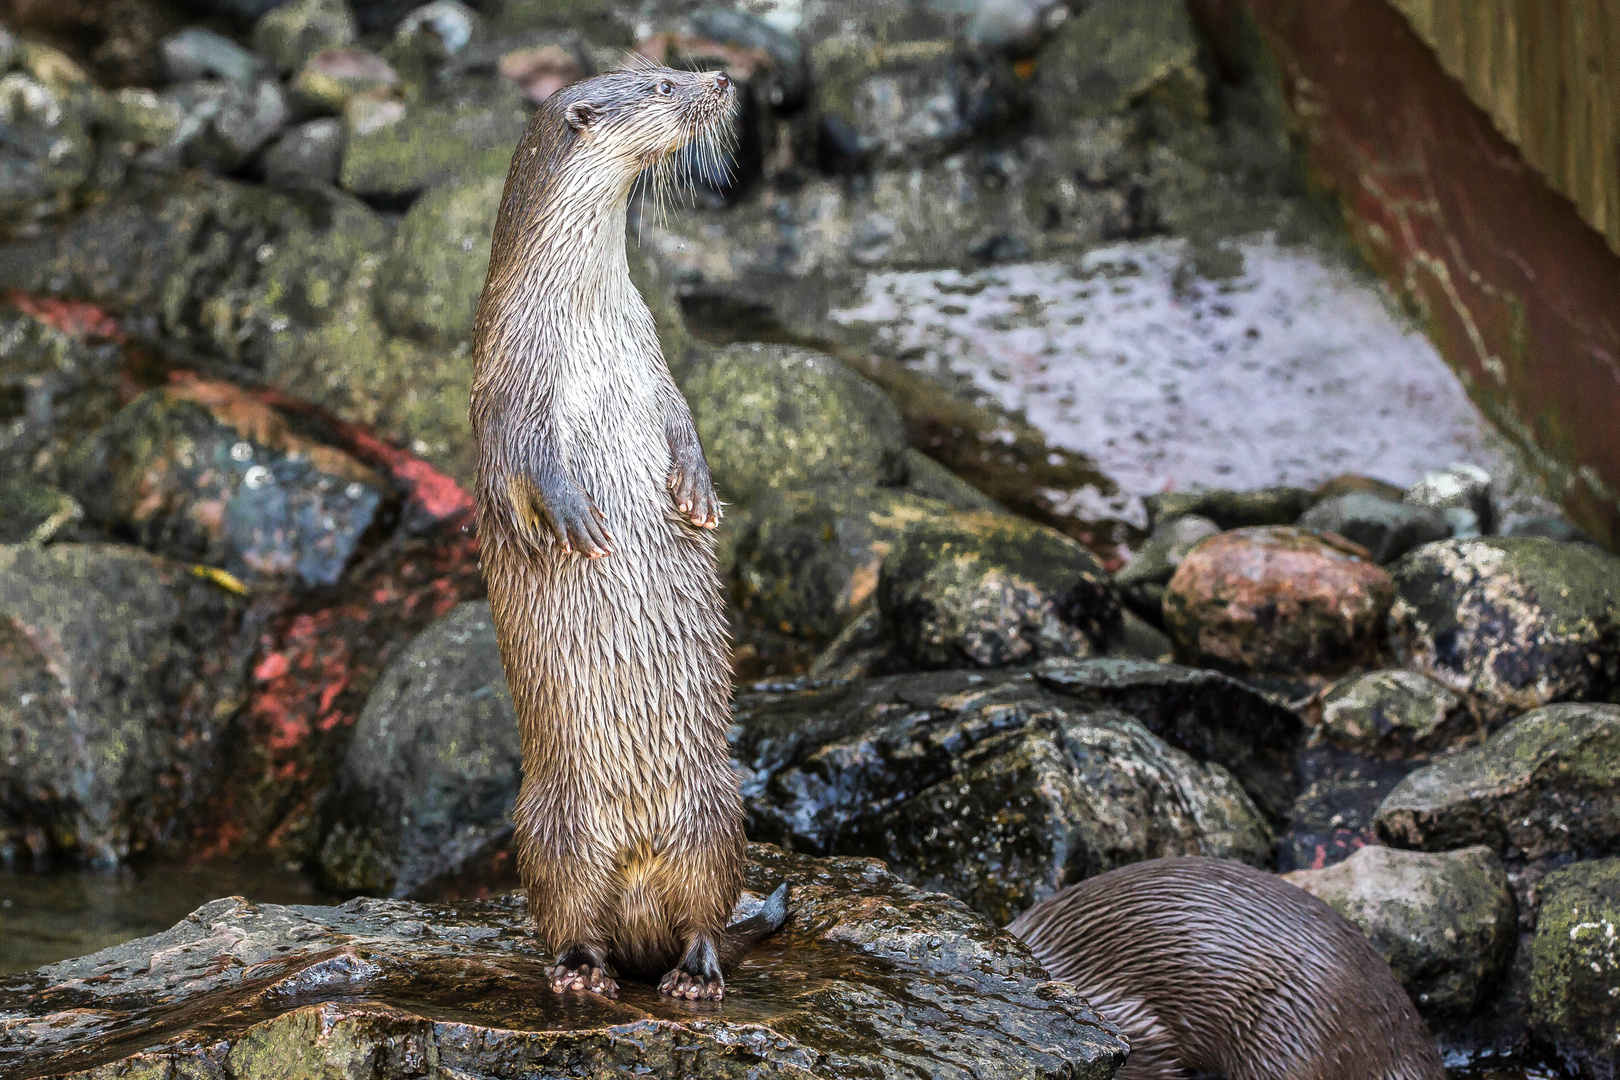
x=585, y=977
x=683, y=984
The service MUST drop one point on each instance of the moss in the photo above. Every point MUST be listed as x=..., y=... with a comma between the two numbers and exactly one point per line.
x=1575, y=972
x=431, y=281
x=395, y=150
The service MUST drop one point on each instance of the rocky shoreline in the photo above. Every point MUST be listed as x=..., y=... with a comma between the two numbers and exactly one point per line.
x=241, y=614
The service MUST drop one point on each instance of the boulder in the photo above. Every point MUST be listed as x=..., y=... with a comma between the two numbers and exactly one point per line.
x=332, y=78
x=120, y=681
x=1395, y=714
x=1575, y=967
x=931, y=480
x=778, y=418
x=1548, y=784
x=1209, y=715
x=198, y=53
x=1141, y=581
x=293, y=31
x=225, y=123
x=1277, y=599
x=1119, y=53
x=431, y=774
x=1447, y=923
x=1462, y=493
x=432, y=33
x=47, y=152
x=305, y=156
x=868, y=978
x=205, y=472
x=1511, y=623
x=394, y=149
x=1385, y=528
x=432, y=278
x=1280, y=505
x=987, y=786
x=66, y=385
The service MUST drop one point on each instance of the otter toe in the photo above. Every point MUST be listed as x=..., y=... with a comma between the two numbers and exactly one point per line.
x=586, y=977
x=684, y=984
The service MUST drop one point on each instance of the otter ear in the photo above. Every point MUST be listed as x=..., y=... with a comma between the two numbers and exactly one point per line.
x=581, y=115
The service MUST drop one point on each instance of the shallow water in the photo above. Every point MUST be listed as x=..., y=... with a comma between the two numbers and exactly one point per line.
x=46, y=917
x=1280, y=367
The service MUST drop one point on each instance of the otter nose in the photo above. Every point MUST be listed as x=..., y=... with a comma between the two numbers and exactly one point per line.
x=722, y=80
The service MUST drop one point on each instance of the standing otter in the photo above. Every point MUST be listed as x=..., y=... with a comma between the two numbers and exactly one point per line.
x=594, y=515
x=1214, y=966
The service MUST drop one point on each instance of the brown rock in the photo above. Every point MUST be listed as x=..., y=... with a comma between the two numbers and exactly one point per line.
x=1278, y=599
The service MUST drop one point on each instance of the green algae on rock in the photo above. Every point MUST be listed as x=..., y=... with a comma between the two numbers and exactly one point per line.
x=870, y=978
x=1511, y=623
x=774, y=418
x=117, y=687
x=1394, y=714
x=431, y=773
x=430, y=284
x=1548, y=784
x=987, y=786
x=396, y=148
x=292, y=32
x=1446, y=923
x=1575, y=972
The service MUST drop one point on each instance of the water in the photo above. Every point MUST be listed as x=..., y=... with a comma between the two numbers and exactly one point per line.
x=46, y=917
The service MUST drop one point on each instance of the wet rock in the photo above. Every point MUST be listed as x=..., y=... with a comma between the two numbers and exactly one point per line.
x=305, y=156
x=393, y=149
x=119, y=685
x=1386, y=529
x=989, y=787
x=868, y=978
x=1141, y=581
x=332, y=78
x=196, y=53
x=431, y=774
x=293, y=31
x=931, y=480
x=433, y=33
x=1545, y=785
x=33, y=513
x=980, y=589
x=1211, y=716
x=1510, y=623
x=431, y=281
x=1462, y=493
x=1575, y=972
x=1117, y=53
x=1553, y=527
x=1140, y=640
x=778, y=418
x=1395, y=714
x=145, y=121
x=1333, y=817
x=226, y=122
x=47, y=152
x=1277, y=599
x=204, y=472
x=55, y=388
x=1446, y=923
x=1016, y=25
x=912, y=101
x=1279, y=505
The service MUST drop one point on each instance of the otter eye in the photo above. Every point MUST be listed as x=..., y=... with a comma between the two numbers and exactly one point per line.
x=665, y=88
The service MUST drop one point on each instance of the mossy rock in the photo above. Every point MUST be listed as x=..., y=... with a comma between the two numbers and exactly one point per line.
x=1575, y=971
x=31, y=512
x=1548, y=784
x=1119, y=53
x=396, y=149
x=292, y=32
x=431, y=281
x=1511, y=623
x=774, y=418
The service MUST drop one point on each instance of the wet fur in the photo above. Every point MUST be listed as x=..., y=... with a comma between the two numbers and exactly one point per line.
x=595, y=512
x=1213, y=966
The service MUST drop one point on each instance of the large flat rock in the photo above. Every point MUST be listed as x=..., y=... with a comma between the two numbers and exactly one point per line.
x=870, y=978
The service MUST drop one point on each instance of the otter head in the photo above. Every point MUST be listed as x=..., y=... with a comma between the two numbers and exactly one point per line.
x=636, y=120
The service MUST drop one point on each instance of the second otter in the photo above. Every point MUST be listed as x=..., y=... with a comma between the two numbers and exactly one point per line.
x=595, y=512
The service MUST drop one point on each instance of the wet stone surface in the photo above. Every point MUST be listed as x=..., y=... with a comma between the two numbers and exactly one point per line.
x=868, y=978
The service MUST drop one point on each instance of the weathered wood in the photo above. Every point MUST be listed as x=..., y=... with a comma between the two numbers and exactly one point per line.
x=1548, y=73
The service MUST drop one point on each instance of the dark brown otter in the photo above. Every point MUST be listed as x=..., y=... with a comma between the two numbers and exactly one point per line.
x=595, y=512
x=1213, y=966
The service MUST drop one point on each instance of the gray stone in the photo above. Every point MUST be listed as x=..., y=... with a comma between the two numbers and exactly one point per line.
x=1446, y=923
x=1575, y=966
x=1141, y=581
x=427, y=786
x=433, y=33
x=117, y=685
x=47, y=152
x=1549, y=526
x=1395, y=714
x=436, y=270
x=225, y=123
x=196, y=53
x=987, y=786
x=293, y=31
x=305, y=156
x=1511, y=623
x=31, y=512
x=66, y=387
x=868, y=978
x=1387, y=529
x=1463, y=492
x=1280, y=505
x=1548, y=784
x=778, y=418
x=1117, y=53
x=931, y=480
x=395, y=149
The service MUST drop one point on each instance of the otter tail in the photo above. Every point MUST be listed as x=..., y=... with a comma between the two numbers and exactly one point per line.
x=742, y=936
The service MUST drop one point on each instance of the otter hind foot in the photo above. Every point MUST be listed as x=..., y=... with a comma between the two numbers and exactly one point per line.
x=697, y=977
x=582, y=968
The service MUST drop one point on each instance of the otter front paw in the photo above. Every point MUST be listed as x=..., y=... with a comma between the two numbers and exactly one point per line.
x=693, y=490
x=571, y=517
x=684, y=984
x=582, y=968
